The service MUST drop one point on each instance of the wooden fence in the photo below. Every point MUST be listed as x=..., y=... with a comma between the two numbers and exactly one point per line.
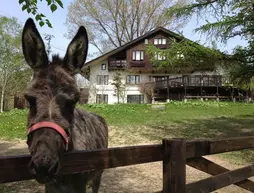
x=174, y=153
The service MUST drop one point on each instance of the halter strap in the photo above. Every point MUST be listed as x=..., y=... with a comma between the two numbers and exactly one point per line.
x=51, y=125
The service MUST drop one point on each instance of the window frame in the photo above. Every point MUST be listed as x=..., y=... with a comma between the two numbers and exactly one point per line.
x=104, y=98
x=160, y=41
x=104, y=80
x=103, y=66
x=139, y=101
x=136, y=79
x=134, y=55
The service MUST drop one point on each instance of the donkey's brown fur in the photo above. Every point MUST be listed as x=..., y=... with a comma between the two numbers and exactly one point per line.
x=52, y=95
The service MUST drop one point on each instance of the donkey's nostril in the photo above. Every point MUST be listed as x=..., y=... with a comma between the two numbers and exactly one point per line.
x=32, y=167
x=53, y=169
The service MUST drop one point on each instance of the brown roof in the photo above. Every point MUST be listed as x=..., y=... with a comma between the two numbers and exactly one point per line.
x=106, y=55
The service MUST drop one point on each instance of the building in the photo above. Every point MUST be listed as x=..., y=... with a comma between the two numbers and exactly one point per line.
x=144, y=83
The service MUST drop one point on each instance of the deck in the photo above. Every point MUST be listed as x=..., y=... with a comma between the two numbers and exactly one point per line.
x=196, y=87
x=192, y=81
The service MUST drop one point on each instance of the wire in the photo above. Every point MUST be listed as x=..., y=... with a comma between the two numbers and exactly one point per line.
x=53, y=46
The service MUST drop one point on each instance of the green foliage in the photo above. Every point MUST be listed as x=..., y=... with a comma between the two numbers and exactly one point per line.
x=233, y=18
x=119, y=87
x=243, y=76
x=185, y=54
x=31, y=6
x=207, y=104
x=14, y=73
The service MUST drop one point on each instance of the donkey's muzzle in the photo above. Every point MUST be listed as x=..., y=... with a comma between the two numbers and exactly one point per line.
x=43, y=172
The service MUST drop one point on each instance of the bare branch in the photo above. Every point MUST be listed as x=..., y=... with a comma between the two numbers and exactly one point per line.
x=116, y=22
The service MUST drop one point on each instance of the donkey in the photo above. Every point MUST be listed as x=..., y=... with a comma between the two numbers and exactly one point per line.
x=55, y=126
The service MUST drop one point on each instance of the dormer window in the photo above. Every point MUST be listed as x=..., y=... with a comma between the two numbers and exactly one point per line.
x=103, y=66
x=160, y=41
x=138, y=55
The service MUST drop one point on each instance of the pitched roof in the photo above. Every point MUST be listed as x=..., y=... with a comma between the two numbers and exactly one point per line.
x=106, y=55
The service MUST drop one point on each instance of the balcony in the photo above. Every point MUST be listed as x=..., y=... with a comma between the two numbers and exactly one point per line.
x=192, y=81
x=137, y=63
x=117, y=64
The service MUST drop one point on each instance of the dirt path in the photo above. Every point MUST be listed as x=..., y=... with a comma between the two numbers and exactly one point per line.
x=139, y=178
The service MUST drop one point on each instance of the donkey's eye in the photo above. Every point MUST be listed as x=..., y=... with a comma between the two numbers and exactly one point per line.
x=64, y=100
x=30, y=99
x=32, y=102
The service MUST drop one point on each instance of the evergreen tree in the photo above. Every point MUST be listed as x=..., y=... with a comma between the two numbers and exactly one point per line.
x=233, y=18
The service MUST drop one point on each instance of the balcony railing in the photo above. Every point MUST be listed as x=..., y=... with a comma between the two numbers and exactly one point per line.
x=117, y=64
x=192, y=81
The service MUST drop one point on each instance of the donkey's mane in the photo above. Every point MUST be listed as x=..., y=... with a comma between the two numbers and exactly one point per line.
x=56, y=60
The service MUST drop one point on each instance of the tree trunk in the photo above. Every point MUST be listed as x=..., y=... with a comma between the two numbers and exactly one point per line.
x=118, y=97
x=2, y=100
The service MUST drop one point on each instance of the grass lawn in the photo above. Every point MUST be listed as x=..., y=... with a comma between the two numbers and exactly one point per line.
x=132, y=124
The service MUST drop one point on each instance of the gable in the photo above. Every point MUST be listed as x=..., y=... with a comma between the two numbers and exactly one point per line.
x=132, y=43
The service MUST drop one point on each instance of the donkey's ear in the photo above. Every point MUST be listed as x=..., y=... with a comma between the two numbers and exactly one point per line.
x=76, y=52
x=33, y=46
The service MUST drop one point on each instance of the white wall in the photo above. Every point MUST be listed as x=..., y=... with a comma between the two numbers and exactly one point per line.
x=129, y=89
x=109, y=89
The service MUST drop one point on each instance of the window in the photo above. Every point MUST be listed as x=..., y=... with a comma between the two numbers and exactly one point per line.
x=146, y=41
x=135, y=98
x=102, y=79
x=101, y=98
x=133, y=79
x=159, y=41
x=180, y=55
x=103, y=66
x=160, y=78
x=138, y=55
x=159, y=56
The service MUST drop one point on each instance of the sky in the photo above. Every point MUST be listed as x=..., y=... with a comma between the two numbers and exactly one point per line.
x=11, y=8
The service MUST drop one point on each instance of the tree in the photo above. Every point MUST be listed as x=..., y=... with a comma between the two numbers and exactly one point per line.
x=186, y=55
x=119, y=87
x=48, y=38
x=13, y=70
x=232, y=18
x=148, y=90
x=31, y=6
x=112, y=23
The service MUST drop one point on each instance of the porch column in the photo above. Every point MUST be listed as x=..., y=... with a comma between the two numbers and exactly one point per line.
x=185, y=93
x=247, y=96
x=233, y=94
x=217, y=89
x=168, y=99
x=201, y=88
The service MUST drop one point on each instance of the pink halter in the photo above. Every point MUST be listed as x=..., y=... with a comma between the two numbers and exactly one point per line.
x=50, y=125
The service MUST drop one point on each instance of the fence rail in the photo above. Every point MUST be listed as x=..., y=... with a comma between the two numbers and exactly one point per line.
x=175, y=154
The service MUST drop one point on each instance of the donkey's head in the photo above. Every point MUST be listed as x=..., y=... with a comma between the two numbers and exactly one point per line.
x=52, y=95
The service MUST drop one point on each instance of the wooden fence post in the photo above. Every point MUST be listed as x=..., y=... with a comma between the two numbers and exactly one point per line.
x=174, y=168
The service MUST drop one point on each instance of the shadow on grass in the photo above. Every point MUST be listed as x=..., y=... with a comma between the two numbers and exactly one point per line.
x=215, y=128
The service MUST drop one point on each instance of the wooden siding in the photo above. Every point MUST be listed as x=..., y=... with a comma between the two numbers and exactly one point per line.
x=145, y=64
